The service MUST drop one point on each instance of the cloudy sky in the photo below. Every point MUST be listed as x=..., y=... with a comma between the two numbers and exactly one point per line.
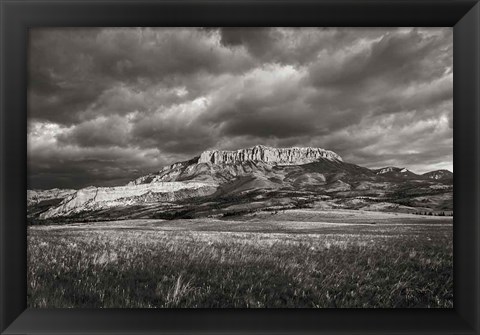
x=108, y=105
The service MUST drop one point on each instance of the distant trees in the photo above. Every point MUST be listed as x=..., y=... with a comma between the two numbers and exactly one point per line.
x=434, y=213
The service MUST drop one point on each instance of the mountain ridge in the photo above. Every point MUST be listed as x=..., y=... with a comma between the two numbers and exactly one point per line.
x=438, y=174
x=219, y=178
x=266, y=154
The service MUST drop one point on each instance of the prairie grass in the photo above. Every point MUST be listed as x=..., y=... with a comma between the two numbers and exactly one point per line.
x=134, y=265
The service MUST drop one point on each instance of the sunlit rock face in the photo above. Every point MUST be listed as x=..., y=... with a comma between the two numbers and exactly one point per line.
x=269, y=155
x=95, y=198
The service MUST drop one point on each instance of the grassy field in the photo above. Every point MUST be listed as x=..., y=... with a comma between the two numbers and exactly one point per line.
x=298, y=258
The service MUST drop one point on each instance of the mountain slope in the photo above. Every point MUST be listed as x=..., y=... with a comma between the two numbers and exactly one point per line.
x=396, y=172
x=439, y=175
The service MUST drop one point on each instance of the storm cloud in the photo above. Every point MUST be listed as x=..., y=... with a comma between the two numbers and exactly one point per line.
x=106, y=105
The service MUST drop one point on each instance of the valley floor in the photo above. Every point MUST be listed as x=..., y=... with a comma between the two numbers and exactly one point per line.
x=291, y=258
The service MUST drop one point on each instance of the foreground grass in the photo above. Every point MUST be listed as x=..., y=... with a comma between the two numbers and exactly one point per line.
x=138, y=266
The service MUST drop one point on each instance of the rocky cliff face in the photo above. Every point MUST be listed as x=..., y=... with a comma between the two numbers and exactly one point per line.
x=269, y=155
x=95, y=198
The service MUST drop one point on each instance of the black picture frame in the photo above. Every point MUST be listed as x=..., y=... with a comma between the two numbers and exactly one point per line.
x=18, y=16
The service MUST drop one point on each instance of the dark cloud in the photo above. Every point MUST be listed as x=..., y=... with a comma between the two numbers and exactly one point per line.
x=71, y=68
x=109, y=104
x=395, y=56
x=101, y=132
x=259, y=42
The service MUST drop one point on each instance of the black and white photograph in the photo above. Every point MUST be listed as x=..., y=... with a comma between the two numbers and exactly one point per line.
x=240, y=167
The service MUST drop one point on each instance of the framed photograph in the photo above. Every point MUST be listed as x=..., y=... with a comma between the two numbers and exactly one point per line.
x=240, y=167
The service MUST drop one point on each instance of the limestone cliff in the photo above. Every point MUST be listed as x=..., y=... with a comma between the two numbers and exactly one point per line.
x=269, y=155
x=95, y=198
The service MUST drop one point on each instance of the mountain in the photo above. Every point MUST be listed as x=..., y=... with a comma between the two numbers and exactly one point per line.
x=395, y=172
x=221, y=165
x=217, y=182
x=439, y=175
